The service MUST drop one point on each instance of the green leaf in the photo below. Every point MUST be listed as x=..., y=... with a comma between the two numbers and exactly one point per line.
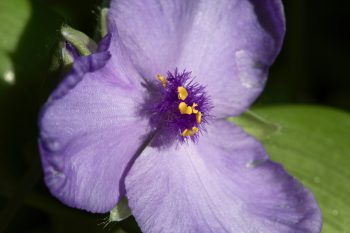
x=255, y=125
x=28, y=32
x=13, y=17
x=313, y=143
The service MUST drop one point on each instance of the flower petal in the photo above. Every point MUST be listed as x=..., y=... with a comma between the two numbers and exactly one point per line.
x=228, y=45
x=225, y=183
x=153, y=31
x=230, y=48
x=120, y=64
x=89, y=132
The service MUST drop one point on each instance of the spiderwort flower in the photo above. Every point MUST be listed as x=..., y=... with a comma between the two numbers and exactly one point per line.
x=144, y=117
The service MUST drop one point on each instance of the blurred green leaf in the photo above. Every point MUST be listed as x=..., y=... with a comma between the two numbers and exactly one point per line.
x=313, y=143
x=28, y=33
x=14, y=15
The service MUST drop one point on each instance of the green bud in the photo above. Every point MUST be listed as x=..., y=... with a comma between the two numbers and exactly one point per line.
x=62, y=59
x=81, y=42
x=120, y=211
x=67, y=57
x=103, y=21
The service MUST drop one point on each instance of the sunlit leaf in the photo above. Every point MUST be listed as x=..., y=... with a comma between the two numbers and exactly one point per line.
x=313, y=143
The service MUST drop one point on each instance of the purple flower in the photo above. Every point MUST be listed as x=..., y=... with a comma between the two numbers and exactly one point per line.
x=144, y=117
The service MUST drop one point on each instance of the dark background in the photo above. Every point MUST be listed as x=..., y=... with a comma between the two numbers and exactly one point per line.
x=313, y=68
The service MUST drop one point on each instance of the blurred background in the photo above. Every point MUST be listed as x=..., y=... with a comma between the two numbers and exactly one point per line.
x=313, y=68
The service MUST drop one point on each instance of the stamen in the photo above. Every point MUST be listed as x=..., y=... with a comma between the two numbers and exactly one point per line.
x=176, y=106
x=194, y=110
x=194, y=130
x=162, y=79
x=182, y=93
x=190, y=132
x=199, y=117
x=186, y=133
x=184, y=109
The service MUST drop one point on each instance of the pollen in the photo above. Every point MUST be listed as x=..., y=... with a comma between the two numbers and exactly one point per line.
x=162, y=80
x=184, y=109
x=182, y=93
x=190, y=132
x=198, y=117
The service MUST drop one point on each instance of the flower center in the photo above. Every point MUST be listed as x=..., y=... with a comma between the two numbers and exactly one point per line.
x=177, y=107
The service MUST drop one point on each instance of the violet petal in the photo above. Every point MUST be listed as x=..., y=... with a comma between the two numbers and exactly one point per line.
x=89, y=132
x=153, y=32
x=225, y=183
x=230, y=48
x=228, y=45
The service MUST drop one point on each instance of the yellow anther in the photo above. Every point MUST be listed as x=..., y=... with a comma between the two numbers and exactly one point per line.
x=194, y=130
x=186, y=133
x=190, y=132
x=182, y=93
x=184, y=109
x=194, y=110
x=198, y=117
x=162, y=79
